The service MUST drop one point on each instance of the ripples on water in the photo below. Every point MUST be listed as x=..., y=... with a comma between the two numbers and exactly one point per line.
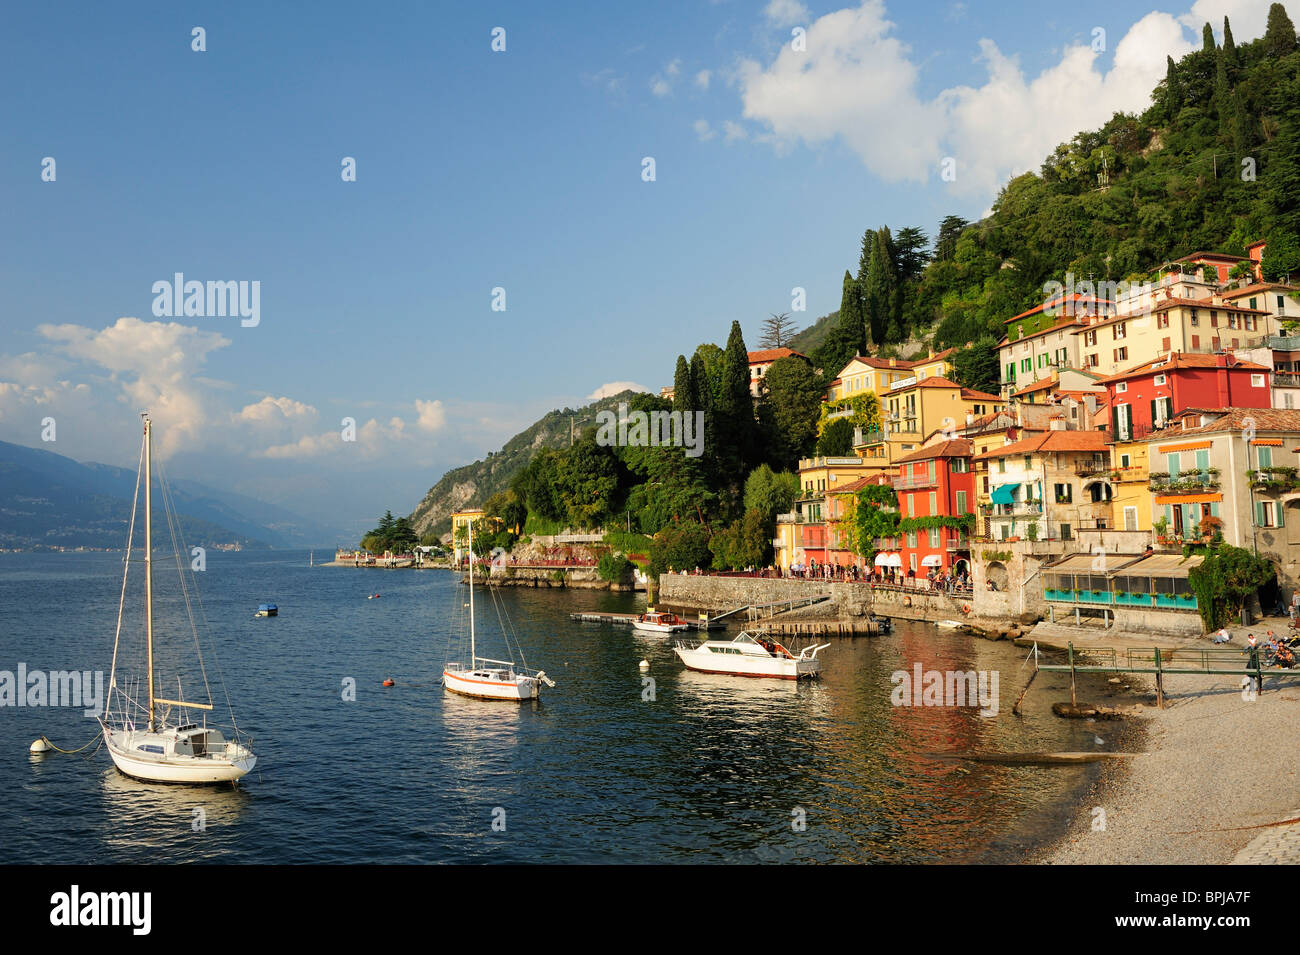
x=713, y=769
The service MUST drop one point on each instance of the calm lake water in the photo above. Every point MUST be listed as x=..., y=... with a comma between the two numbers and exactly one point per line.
x=713, y=769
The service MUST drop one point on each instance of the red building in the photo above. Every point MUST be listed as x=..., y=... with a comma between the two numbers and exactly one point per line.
x=935, y=481
x=1151, y=394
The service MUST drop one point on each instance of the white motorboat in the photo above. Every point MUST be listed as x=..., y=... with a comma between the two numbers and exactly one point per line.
x=164, y=749
x=752, y=653
x=653, y=622
x=490, y=679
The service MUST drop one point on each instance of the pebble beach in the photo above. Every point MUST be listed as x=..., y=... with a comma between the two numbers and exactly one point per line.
x=1216, y=779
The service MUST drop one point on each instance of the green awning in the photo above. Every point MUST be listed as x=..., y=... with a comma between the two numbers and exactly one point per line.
x=1004, y=494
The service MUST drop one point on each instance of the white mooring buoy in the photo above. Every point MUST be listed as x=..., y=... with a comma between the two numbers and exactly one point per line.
x=644, y=664
x=39, y=746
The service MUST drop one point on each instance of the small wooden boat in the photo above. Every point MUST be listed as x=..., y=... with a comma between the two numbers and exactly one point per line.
x=267, y=610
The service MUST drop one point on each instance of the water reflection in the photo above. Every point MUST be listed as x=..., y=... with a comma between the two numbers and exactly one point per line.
x=151, y=816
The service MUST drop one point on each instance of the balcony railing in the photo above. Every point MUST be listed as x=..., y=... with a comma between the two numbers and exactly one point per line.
x=1281, y=380
x=1089, y=468
x=1136, y=472
x=914, y=481
x=868, y=438
x=1193, y=482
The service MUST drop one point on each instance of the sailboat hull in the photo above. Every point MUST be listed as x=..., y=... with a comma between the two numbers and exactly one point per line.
x=491, y=684
x=170, y=767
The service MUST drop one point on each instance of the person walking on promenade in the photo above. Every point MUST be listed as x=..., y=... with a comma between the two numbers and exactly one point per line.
x=1252, y=660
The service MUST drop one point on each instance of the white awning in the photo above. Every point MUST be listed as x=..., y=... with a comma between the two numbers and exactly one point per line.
x=882, y=560
x=931, y=560
x=889, y=560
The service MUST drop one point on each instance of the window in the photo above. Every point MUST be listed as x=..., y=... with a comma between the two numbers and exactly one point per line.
x=911, y=506
x=1214, y=320
x=1130, y=518
x=911, y=559
x=1264, y=457
x=1165, y=346
x=1257, y=381
x=1066, y=533
x=1232, y=321
x=1196, y=322
x=1159, y=380
x=1254, y=302
x=1092, y=361
x=1288, y=400
x=1117, y=332
x=934, y=537
x=1196, y=341
x=1281, y=304
x=1011, y=372
x=934, y=502
x=958, y=466
x=1124, y=461
x=1029, y=462
x=1121, y=387
x=911, y=538
x=1026, y=364
x=1162, y=320
x=1121, y=354
x=961, y=502
x=1042, y=359
x=1090, y=338
x=1002, y=465
x=1269, y=514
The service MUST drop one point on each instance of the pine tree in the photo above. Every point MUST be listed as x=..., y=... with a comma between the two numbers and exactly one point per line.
x=777, y=330
x=950, y=230
x=911, y=256
x=1279, y=36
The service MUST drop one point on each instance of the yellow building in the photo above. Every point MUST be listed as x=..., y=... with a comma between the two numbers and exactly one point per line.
x=1131, y=505
x=460, y=521
x=915, y=409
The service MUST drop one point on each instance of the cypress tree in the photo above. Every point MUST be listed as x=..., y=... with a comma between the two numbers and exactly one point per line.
x=1229, y=48
x=1173, y=89
x=882, y=305
x=736, y=407
x=683, y=387
x=1207, y=38
x=1279, y=36
x=1222, y=97
x=851, y=314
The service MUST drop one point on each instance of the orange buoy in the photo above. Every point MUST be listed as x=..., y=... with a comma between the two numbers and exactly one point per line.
x=389, y=682
x=965, y=608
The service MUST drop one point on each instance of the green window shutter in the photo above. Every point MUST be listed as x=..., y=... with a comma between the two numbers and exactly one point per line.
x=1154, y=418
x=1265, y=457
x=1202, y=460
x=1259, y=513
x=1173, y=460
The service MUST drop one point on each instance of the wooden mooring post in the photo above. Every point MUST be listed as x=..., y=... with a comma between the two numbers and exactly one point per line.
x=1074, y=700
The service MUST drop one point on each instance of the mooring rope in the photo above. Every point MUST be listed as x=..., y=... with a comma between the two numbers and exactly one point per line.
x=99, y=738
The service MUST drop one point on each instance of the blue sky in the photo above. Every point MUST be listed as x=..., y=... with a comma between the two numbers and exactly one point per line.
x=478, y=169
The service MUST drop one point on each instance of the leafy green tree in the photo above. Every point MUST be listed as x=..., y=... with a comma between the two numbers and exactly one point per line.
x=836, y=439
x=794, y=394
x=1224, y=581
x=851, y=313
x=771, y=492
x=950, y=230
x=1281, y=257
x=976, y=366
x=683, y=546
x=875, y=515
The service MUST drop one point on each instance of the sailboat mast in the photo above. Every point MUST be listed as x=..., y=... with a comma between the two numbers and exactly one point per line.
x=472, y=651
x=148, y=555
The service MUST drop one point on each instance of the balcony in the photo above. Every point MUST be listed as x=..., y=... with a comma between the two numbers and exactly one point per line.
x=1275, y=479
x=1019, y=509
x=1089, y=468
x=913, y=482
x=1136, y=472
x=1286, y=380
x=1193, y=482
x=867, y=438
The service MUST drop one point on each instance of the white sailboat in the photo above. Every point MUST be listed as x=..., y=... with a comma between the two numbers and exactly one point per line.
x=149, y=737
x=490, y=679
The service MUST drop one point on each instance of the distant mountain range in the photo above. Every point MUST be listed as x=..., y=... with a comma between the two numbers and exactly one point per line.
x=49, y=501
x=472, y=484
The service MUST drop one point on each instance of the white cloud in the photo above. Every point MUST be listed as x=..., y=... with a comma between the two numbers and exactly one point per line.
x=858, y=84
x=661, y=84
x=702, y=79
x=786, y=13
x=732, y=131
x=431, y=415
x=673, y=68
x=613, y=388
x=275, y=409
x=703, y=131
